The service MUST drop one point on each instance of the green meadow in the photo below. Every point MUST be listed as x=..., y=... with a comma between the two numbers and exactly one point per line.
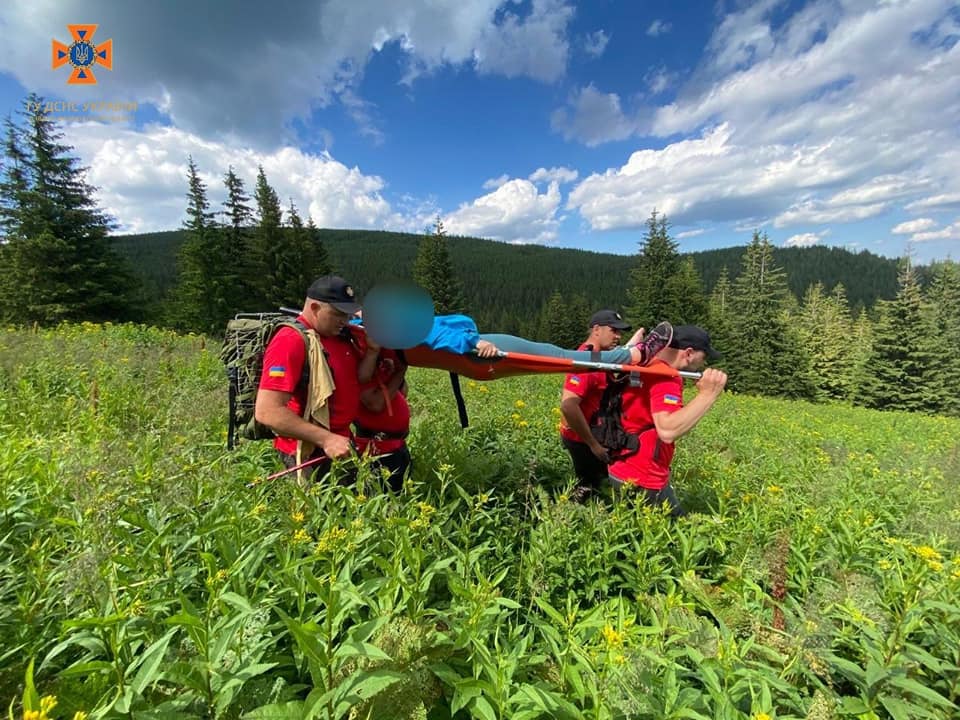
x=146, y=572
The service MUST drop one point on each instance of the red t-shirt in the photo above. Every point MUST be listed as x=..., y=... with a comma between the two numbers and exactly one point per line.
x=650, y=466
x=394, y=418
x=283, y=362
x=589, y=387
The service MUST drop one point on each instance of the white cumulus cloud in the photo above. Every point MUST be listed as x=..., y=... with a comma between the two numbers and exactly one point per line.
x=913, y=226
x=514, y=212
x=802, y=240
x=249, y=71
x=141, y=178
x=560, y=175
x=658, y=27
x=789, y=122
x=595, y=43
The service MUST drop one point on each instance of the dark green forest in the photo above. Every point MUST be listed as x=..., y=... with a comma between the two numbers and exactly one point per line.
x=816, y=323
x=506, y=286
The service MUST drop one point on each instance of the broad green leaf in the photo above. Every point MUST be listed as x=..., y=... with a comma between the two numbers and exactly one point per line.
x=277, y=711
x=238, y=601
x=86, y=668
x=149, y=663
x=915, y=688
x=481, y=708
x=31, y=699
x=900, y=710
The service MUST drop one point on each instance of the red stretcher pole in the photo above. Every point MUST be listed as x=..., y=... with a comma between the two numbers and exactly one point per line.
x=561, y=363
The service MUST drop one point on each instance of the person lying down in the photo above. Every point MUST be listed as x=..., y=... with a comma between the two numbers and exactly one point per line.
x=459, y=334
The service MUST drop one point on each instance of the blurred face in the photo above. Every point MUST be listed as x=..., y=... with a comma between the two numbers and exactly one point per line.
x=326, y=319
x=606, y=337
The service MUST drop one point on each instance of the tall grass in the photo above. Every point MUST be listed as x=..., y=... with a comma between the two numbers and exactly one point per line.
x=147, y=572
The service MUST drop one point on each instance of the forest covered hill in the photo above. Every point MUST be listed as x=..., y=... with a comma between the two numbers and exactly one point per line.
x=505, y=285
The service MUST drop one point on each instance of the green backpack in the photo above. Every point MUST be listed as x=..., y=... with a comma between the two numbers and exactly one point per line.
x=244, y=343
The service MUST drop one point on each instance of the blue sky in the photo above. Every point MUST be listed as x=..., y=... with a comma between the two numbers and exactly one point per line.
x=833, y=122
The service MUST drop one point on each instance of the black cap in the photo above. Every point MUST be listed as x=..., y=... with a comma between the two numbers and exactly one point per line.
x=335, y=290
x=691, y=336
x=610, y=318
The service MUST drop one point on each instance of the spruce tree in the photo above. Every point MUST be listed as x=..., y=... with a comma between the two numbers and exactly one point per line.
x=825, y=329
x=901, y=363
x=237, y=219
x=321, y=259
x=59, y=263
x=203, y=299
x=861, y=346
x=433, y=271
x=768, y=356
x=273, y=257
x=563, y=321
x=719, y=320
x=662, y=285
x=304, y=263
x=944, y=311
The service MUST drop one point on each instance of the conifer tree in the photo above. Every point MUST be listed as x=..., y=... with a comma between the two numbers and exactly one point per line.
x=861, y=344
x=58, y=260
x=321, y=259
x=824, y=330
x=719, y=320
x=433, y=271
x=944, y=310
x=663, y=286
x=238, y=217
x=900, y=372
x=273, y=256
x=564, y=322
x=203, y=299
x=303, y=259
x=768, y=356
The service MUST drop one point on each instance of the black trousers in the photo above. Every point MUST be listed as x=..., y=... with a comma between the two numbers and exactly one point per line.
x=396, y=463
x=654, y=498
x=589, y=469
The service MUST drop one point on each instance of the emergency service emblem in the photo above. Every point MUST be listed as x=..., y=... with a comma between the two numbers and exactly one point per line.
x=83, y=54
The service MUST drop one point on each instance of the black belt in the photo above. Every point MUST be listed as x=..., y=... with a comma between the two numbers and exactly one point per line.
x=370, y=434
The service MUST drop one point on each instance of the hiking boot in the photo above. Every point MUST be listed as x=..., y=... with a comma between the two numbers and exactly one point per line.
x=580, y=494
x=655, y=341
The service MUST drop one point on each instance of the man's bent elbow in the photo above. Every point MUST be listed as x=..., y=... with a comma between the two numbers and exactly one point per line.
x=667, y=436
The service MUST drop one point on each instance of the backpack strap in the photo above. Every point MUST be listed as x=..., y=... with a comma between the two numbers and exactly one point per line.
x=458, y=394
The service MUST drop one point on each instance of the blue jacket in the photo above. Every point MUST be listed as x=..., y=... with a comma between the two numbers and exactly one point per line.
x=453, y=333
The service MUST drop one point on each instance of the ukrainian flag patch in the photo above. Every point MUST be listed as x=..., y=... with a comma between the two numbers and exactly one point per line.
x=671, y=399
x=574, y=380
x=277, y=371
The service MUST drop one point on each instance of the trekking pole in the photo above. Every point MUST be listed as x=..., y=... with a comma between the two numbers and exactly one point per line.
x=289, y=470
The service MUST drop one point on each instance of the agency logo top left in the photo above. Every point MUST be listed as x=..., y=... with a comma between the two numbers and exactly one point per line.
x=83, y=54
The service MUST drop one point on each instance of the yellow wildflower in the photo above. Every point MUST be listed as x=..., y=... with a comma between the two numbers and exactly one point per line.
x=296, y=516
x=259, y=509
x=520, y=404
x=612, y=637
x=762, y=716
x=522, y=423
x=331, y=539
x=79, y=715
x=774, y=488
x=300, y=536
x=926, y=552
